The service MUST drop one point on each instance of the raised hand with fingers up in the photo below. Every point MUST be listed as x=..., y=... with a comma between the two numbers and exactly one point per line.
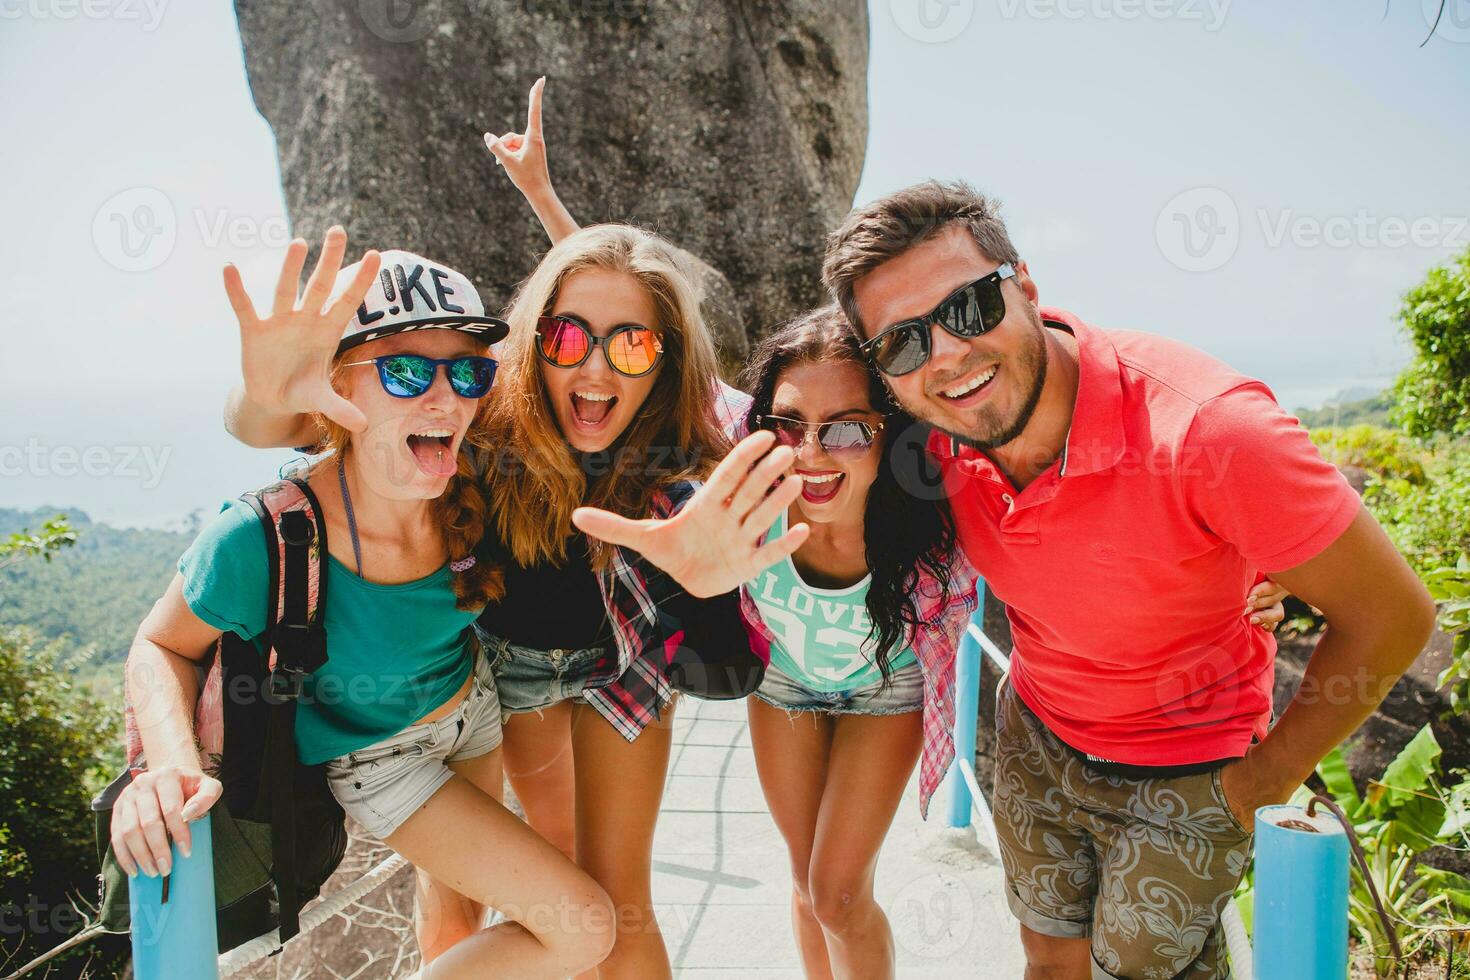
x=286, y=357
x=523, y=155
x=713, y=545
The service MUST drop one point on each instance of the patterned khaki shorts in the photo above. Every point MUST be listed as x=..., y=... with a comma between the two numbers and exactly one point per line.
x=1141, y=867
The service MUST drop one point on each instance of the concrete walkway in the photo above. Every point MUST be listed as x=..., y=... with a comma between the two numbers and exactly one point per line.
x=722, y=885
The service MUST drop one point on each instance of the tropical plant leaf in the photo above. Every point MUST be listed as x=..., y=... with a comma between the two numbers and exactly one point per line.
x=1407, y=775
x=1339, y=780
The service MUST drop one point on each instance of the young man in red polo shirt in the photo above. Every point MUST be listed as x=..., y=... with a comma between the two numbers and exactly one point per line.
x=1087, y=470
x=1120, y=492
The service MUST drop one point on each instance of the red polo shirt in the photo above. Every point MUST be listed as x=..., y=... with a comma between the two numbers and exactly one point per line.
x=1125, y=566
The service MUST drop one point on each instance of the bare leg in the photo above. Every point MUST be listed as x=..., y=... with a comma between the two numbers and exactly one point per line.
x=1052, y=958
x=871, y=760
x=791, y=761
x=550, y=904
x=619, y=787
x=538, y=762
x=442, y=916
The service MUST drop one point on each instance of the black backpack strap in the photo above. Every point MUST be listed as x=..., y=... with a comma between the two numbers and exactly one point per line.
x=299, y=641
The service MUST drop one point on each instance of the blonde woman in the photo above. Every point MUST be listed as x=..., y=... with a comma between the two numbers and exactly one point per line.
x=403, y=714
x=608, y=397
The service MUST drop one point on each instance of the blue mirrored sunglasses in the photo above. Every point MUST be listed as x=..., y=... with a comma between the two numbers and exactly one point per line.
x=410, y=375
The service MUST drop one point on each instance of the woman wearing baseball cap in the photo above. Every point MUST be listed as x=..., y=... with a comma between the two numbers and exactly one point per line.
x=606, y=398
x=404, y=713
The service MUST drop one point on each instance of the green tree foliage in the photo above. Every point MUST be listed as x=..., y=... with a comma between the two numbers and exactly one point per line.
x=55, y=534
x=56, y=745
x=97, y=590
x=1433, y=393
x=1404, y=817
x=1346, y=410
x=1420, y=492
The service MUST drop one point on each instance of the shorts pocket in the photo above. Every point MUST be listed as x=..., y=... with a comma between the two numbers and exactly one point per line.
x=379, y=761
x=496, y=650
x=1217, y=788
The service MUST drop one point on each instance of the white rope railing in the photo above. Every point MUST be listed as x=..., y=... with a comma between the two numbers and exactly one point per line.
x=1238, y=942
x=262, y=946
x=986, y=820
x=1001, y=661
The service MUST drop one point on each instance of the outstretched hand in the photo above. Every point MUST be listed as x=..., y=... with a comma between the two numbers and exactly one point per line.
x=713, y=545
x=523, y=155
x=287, y=357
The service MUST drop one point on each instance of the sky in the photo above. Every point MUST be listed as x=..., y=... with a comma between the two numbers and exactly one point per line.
x=1261, y=180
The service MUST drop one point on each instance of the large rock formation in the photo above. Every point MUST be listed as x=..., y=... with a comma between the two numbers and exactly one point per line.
x=736, y=129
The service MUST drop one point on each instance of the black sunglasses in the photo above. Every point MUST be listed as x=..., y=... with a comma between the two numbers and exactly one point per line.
x=845, y=437
x=967, y=312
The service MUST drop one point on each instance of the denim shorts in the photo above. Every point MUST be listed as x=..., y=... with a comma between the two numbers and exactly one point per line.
x=903, y=693
x=384, y=784
x=532, y=680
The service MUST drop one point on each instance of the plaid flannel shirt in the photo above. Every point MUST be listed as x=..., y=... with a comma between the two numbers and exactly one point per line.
x=630, y=685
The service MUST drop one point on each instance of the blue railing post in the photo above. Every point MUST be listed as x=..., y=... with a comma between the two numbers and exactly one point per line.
x=966, y=712
x=174, y=935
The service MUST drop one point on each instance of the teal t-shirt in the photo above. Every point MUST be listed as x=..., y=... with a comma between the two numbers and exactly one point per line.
x=821, y=635
x=395, y=652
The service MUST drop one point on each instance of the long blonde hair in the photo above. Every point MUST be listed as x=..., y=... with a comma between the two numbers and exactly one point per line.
x=534, y=482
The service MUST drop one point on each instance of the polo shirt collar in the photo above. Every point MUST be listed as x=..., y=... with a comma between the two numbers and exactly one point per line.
x=1096, y=440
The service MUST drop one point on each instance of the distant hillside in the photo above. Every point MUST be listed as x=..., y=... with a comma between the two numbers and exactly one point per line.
x=98, y=590
x=1354, y=407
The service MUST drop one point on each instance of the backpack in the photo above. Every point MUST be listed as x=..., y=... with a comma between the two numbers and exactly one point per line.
x=278, y=832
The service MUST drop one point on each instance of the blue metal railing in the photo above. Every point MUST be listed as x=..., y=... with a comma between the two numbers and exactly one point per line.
x=966, y=801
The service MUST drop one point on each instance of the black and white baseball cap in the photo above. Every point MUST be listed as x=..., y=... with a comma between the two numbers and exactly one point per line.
x=413, y=293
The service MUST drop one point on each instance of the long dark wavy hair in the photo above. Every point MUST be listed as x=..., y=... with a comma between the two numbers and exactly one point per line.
x=904, y=531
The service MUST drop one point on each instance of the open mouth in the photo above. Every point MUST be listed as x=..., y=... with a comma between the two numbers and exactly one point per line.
x=972, y=389
x=818, y=488
x=590, y=409
x=432, y=450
